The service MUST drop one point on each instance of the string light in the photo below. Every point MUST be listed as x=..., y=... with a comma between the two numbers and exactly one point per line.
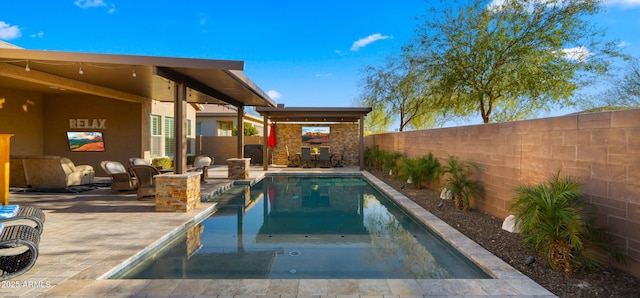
x=80, y=71
x=27, y=68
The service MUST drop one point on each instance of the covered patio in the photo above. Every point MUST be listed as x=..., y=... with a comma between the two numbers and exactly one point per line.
x=346, y=126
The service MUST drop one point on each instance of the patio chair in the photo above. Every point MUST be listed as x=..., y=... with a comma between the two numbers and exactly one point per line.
x=18, y=250
x=202, y=163
x=337, y=160
x=121, y=179
x=134, y=161
x=305, y=157
x=15, y=214
x=146, y=184
x=293, y=160
x=325, y=158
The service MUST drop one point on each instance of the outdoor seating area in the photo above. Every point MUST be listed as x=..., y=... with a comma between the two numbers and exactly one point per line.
x=311, y=158
x=48, y=171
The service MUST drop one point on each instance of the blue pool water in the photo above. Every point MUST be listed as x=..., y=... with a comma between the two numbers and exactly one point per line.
x=304, y=228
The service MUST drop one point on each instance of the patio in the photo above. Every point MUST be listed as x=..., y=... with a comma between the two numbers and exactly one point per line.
x=88, y=234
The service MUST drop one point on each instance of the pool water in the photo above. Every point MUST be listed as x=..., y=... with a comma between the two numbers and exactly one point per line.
x=305, y=228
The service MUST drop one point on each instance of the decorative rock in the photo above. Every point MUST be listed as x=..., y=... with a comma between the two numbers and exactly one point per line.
x=510, y=224
x=446, y=194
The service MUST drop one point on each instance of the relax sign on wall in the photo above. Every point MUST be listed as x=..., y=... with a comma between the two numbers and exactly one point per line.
x=87, y=123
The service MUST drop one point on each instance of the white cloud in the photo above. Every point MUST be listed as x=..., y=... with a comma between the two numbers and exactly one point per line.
x=623, y=3
x=39, y=34
x=624, y=44
x=324, y=74
x=89, y=3
x=578, y=53
x=273, y=94
x=8, y=32
x=112, y=9
x=363, y=42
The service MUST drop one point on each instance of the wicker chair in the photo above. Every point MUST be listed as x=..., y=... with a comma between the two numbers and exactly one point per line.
x=18, y=250
x=34, y=215
x=202, y=163
x=120, y=177
x=146, y=184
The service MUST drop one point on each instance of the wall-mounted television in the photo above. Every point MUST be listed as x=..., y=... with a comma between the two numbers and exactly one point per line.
x=83, y=141
x=316, y=134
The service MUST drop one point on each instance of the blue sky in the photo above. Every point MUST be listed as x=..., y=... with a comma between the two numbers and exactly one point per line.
x=304, y=53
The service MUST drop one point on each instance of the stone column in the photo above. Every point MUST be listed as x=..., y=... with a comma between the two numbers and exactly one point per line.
x=239, y=168
x=177, y=193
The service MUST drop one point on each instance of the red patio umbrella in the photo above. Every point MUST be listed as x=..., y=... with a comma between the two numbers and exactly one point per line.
x=272, y=136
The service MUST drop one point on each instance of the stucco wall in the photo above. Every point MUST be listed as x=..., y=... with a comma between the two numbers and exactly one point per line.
x=21, y=115
x=222, y=148
x=601, y=149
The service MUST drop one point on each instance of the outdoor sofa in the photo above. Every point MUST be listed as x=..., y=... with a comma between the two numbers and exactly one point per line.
x=47, y=171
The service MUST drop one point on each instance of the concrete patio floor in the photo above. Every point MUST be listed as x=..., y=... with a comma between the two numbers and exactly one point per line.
x=88, y=234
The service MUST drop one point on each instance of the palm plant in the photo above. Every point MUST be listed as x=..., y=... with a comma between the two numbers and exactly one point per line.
x=458, y=180
x=419, y=170
x=556, y=222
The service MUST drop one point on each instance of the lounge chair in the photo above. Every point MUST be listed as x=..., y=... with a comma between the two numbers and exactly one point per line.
x=325, y=158
x=305, y=157
x=15, y=214
x=202, y=163
x=146, y=184
x=18, y=250
x=121, y=179
x=337, y=160
x=293, y=160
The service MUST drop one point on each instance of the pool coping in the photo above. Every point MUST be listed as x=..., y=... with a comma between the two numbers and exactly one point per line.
x=507, y=281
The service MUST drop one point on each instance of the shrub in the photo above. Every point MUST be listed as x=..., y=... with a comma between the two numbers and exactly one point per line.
x=419, y=170
x=458, y=180
x=558, y=224
x=163, y=162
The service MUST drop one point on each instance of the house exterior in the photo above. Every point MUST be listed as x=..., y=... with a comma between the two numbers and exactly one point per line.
x=219, y=120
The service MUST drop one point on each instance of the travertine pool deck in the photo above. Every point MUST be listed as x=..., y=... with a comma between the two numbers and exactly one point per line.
x=88, y=234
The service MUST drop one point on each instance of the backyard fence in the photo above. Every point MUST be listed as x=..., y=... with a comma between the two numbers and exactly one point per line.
x=602, y=150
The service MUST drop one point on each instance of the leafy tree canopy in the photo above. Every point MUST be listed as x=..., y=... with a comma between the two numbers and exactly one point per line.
x=510, y=59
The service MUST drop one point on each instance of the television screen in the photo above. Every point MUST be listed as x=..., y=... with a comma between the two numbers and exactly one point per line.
x=81, y=141
x=315, y=134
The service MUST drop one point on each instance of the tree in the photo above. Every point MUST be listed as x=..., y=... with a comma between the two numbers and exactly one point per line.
x=624, y=91
x=396, y=91
x=511, y=60
x=249, y=130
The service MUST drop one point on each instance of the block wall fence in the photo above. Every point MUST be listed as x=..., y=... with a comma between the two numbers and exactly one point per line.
x=602, y=150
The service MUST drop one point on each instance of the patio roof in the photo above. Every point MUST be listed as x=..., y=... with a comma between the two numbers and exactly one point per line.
x=313, y=114
x=129, y=77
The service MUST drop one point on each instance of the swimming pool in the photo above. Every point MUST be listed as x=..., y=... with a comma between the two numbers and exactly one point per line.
x=297, y=227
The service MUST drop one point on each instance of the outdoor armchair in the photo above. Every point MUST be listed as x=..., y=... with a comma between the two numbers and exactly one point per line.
x=293, y=160
x=325, y=158
x=121, y=179
x=138, y=161
x=305, y=157
x=18, y=250
x=15, y=214
x=202, y=162
x=144, y=174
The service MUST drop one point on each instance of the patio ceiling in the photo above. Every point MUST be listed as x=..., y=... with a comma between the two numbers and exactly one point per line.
x=306, y=114
x=128, y=77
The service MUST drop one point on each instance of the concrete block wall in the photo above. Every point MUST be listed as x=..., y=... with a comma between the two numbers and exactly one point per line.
x=601, y=149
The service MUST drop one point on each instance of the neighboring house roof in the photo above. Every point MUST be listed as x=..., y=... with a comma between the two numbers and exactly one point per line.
x=214, y=110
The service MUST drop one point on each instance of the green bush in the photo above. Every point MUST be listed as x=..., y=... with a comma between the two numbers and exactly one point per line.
x=163, y=162
x=419, y=170
x=558, y=224
x=458, y=180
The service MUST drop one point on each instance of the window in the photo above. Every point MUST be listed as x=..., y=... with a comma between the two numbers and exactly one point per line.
x=169, y=136
x=225, y=128
x=156, y=136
